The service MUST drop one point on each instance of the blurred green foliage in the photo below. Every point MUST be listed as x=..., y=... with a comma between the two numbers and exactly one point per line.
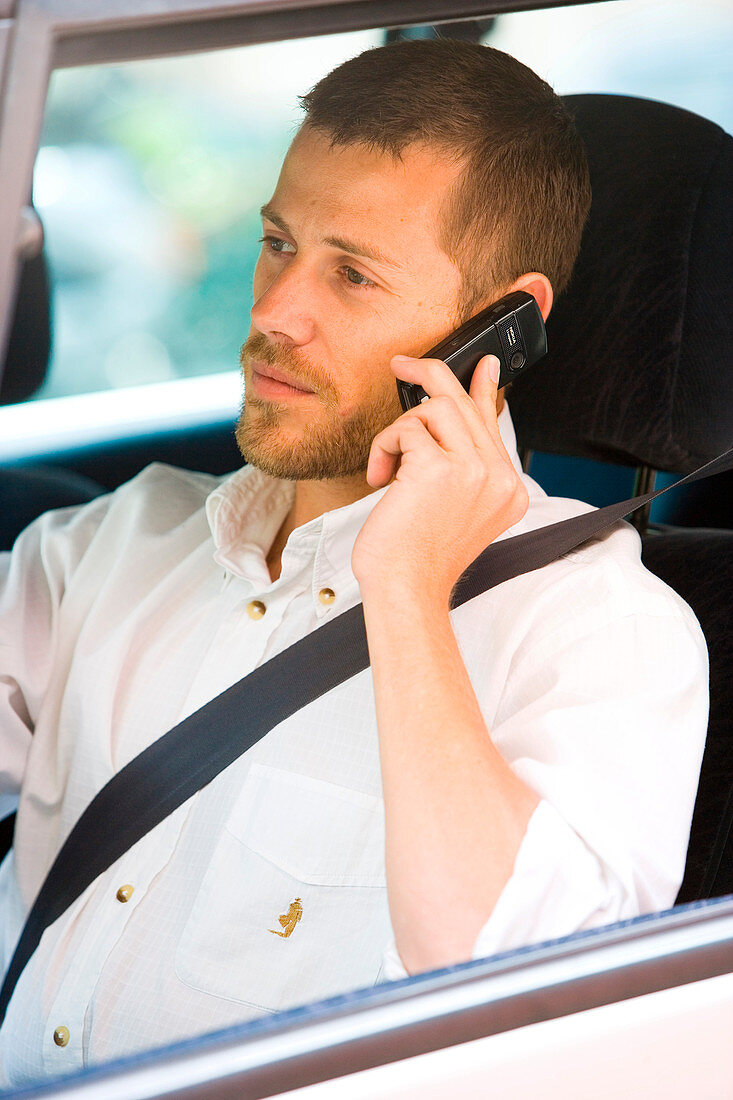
x=187, y=173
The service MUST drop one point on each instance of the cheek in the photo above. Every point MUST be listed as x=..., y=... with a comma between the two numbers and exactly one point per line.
x=366, y=384
x=359, y=355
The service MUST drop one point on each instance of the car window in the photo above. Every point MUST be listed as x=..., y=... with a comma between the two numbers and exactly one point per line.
x=150, y=174
x=149, y=181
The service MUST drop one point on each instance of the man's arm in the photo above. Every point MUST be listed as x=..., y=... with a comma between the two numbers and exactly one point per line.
x=25, y=627
x=455, y=812
x=603, y=718
x=602, y=712
x=33, y=578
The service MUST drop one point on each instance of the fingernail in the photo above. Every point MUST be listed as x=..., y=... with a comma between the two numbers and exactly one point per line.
x=494, y=366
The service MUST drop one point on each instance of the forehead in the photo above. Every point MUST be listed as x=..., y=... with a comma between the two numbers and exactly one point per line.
x=388, y=200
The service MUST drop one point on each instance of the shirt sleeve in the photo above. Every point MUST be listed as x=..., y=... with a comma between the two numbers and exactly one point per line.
x=33, y=579
x=609, y=730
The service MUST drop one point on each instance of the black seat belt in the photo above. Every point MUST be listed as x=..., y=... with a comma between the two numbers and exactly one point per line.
x=187, y=757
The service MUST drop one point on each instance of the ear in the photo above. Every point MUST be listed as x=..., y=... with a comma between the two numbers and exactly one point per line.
x=539, y=286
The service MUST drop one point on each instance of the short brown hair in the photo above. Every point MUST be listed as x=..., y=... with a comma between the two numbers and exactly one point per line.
x=522, y=200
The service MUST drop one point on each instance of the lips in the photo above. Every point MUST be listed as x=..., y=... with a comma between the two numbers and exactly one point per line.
x=267, y=377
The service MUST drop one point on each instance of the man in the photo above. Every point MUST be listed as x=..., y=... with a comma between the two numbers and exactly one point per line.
x=518, y=769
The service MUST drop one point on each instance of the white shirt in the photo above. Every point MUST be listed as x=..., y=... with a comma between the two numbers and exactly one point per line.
x=120, y=618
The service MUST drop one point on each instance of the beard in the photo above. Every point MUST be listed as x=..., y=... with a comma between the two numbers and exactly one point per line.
x=334, y=448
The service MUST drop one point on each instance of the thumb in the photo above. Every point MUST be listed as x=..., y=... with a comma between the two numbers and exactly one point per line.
x=484, y=385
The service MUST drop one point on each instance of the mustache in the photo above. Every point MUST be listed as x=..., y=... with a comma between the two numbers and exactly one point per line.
x=257, y=346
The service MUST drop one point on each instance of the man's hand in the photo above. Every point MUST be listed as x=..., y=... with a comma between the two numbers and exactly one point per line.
x=454, y=488
x=455, y=812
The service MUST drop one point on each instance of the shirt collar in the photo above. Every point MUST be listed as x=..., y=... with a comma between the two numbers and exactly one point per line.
x=248, y=508
x=245, y=513
x=509, y=436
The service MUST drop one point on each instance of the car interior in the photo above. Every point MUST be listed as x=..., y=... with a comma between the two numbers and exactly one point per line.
x=640, y=351
x=636, y=346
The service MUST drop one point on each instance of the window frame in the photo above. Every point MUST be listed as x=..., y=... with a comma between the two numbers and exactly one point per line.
x=651, y=953
x=430, y=1012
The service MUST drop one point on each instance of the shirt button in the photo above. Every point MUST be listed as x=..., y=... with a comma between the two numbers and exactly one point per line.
x=61, y=1036
x=327, y=595
x=256, y=609
x=125, y=892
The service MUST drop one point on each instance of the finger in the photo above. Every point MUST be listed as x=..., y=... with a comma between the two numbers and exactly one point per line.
x=484, y=390
x=437, y=379
x=407, y=434
x=446, y=423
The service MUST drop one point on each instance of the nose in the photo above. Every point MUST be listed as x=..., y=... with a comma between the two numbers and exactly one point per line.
x=283, y=308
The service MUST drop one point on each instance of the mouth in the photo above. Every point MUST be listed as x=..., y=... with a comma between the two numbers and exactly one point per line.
x=269, y=382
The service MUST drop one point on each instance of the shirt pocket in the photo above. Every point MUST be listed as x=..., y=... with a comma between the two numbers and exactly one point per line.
x=293, y=906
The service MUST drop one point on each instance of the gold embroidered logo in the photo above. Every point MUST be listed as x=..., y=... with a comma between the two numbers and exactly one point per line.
x=289, y=920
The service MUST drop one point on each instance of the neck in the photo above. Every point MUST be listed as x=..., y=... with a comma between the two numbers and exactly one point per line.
x=312, y=499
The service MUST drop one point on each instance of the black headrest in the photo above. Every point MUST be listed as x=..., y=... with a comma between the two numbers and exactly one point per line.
x=640, y=367
x=26, y=360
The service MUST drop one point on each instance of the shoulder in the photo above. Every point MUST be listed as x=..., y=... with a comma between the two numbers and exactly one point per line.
x=589, y=590
x=150, y=525
x=162, y=496
x=158, y=502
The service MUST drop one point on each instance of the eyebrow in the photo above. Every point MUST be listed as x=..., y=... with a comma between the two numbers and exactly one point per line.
x=353, y=248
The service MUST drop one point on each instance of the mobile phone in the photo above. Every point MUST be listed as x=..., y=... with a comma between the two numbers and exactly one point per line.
x=512, y=329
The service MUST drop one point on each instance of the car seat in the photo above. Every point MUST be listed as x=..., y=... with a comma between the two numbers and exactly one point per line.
x=27, y=491
x=639, y=374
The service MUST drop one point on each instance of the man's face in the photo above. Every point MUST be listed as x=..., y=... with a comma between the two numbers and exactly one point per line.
x=350, y=274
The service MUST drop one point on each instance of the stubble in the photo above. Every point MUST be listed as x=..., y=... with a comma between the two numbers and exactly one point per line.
x=330, y=447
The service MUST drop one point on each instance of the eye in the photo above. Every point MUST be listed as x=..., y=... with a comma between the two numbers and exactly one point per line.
x=356, y=277
x=277, y=245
